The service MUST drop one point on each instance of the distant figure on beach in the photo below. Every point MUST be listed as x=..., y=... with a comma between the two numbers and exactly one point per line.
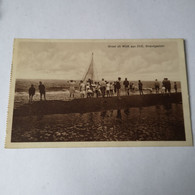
x=175, y=87
x=90, y=81
x=169, y=86
x=72, y=88
x=82, y=89
x=133, y=87
x=164, y=84
x=31, y=92
x=97, y=89
x=118, y=87
x=114, y=87
x=111, y=89
x=93, y=86
x=108, y=89
x=156, y=86
x=89, y=91
x=163, y=89
x=130, y=86
x=140, y=86
x=42, y=90
x=103, y=87
x=126, y=84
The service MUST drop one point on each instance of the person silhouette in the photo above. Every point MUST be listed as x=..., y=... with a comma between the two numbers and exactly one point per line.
x=118, y=87
x=126, y=84
x=140, y=86
x=156, y=85
x=31, y=92
x=42, y=90
x=175, y=87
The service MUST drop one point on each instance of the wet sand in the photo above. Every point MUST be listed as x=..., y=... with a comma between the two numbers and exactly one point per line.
x=152, y=123
x=144, y=118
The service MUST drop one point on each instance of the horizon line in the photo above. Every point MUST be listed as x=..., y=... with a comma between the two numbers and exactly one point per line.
x=94, y=80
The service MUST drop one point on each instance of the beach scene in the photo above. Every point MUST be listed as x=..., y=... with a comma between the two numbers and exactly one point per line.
x=95, y=94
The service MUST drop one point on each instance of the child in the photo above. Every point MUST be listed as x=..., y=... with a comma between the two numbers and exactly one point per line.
x=163, y=89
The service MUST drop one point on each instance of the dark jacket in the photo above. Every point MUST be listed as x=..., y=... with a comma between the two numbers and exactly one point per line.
x=31, y=91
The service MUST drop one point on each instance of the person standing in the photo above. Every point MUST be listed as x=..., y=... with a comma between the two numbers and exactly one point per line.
x=90, y=82
x=169, y=86
x=126, y=84
x=42, y=90
x=89, y=91
x=165, y=84
x=31, y=92
x=103, y=87
x=93, y=86
x=118, y=87
x=82, y=89
x=114, y=87
x=163, y=89
x=130, y=86
x=107, y=89
x=111, y=89
x=140, y=86
x=156, y=86
x=97, y=89
x=175, y=87
x=133, y=87
x=72, y=88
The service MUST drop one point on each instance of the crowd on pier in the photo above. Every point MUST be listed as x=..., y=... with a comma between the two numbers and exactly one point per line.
x=108, y=89
x=105, y=88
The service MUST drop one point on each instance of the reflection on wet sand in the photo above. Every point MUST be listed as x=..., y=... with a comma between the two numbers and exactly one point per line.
x=119, y=116
x=126, y=111
x=143, y=123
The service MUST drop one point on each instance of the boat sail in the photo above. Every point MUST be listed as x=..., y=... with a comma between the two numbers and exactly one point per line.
x=90, y=72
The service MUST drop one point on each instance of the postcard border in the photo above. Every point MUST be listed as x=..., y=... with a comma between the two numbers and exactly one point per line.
x=185, y=98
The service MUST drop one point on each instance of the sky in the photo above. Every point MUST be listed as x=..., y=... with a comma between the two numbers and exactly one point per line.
x=70, y=60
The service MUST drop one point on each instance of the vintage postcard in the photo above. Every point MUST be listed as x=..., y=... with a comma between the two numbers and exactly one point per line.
x=98, y=93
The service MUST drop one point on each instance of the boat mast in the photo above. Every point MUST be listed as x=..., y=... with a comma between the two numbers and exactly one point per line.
x=90, y=72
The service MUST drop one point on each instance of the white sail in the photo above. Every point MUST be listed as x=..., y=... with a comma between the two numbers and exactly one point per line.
x=90, y=72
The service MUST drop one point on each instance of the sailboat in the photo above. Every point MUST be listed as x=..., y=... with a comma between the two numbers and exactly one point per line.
x=86, y=105
x=90, y=72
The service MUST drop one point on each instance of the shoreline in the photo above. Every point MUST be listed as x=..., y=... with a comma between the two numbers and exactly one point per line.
x=95, y=104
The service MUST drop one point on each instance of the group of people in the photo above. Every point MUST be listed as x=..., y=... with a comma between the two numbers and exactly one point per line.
x=31, y=92
x=166, y=86
x=105, y=88
x=91, y=89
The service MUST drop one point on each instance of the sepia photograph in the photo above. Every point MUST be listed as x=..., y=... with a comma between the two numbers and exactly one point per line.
x=88, y=93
